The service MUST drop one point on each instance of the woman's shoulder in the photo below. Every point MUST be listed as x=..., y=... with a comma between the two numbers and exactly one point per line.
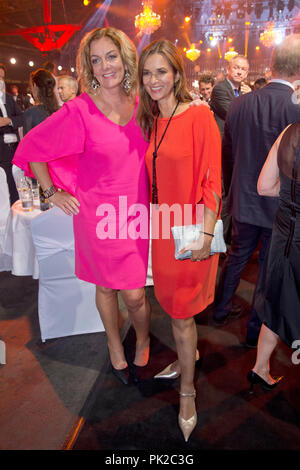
x=34, y=110
x=196, y=113
x=36, y=113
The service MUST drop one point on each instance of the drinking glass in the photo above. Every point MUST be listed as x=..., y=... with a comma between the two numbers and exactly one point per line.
x=25, y=193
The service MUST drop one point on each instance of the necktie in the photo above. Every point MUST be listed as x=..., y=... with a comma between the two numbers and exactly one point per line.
x=236, y=92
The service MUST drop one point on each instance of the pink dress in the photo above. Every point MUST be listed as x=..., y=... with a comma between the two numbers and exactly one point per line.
x=103, y=165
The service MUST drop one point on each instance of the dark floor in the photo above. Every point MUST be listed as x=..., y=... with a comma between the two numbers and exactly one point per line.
x=62, y=395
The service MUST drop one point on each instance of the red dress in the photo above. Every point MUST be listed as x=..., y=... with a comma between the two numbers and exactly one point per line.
x=188, y=169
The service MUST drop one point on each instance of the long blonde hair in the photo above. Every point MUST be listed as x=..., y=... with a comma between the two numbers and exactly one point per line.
x=148, y=109
x=127, y=51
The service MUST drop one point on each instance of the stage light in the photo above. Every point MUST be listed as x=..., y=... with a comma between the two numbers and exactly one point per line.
x=187, y=19
x=291, y=5
x=227, y=10
x=219, y=11
x=258, y=10
x=59, y=67
x=280, y=6
x=249, y=8
x=240, y=13
x=257, y=48
x=72, y=69
x=12, y=60
x=30, y=63
x=230, y=39
x=208, y=49
x=279, y=36
x=86, y=2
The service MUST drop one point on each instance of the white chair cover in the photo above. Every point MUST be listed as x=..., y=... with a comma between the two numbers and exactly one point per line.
x=5, y=260
x=66, y=305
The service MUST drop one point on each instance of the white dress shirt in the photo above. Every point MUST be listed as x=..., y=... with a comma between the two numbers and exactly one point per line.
x=9, y=138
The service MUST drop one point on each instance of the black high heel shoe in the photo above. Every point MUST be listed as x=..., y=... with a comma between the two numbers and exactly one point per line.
x=122, y=374
x=254, y=379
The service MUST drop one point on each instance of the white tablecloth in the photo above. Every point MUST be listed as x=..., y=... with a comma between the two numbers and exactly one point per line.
x=18, y=244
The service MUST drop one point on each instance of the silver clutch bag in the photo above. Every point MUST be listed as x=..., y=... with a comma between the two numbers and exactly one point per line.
x=185, y=234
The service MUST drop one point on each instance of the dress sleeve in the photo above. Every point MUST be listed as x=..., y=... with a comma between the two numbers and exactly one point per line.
x=207, y=157
x=58, y=141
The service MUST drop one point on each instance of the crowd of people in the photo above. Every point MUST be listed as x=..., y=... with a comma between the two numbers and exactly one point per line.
x=134, y=131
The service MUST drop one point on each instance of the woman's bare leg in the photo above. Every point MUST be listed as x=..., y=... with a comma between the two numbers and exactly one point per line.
x=185, y=334
x=139, y=313
x=108, y=307
x=267, y=342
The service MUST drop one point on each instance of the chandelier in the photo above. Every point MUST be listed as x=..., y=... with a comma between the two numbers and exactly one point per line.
x=193, y=53
x=271, y=36
x=267, y=37
x=148, y=21
x=229, y=55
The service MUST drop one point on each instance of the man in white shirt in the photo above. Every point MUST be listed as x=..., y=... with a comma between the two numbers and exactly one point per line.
x=11, y=118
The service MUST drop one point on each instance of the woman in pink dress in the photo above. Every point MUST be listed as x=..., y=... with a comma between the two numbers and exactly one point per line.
x=93, y=150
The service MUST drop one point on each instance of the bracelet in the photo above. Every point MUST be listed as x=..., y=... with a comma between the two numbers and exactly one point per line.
x=50, y=191
x=210, y=234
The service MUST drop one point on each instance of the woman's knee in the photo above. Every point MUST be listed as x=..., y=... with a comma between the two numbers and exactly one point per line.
x=105, y=291
x=134, y=299
x=183, y=324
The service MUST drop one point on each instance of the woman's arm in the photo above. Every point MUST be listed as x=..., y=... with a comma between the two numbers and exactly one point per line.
x=65, y=201
x=268, y=182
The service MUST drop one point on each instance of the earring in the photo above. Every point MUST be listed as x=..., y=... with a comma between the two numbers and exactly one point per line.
x=127, y=82
x=95, y=84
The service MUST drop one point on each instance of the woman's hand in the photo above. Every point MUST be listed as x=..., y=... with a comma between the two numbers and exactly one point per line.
x=204, y=253
x=199, y=102
x=200, y=248
x=66, y=202
x=245, y=88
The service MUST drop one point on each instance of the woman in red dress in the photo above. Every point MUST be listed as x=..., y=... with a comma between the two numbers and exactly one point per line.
x=186, y=170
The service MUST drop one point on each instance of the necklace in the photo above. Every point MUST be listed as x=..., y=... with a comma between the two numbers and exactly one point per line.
x=156, y=147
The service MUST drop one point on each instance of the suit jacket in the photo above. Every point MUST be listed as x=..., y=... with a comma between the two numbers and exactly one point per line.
x=20, y=102
x=221, y=98
x=16, y=115
x=253, y=123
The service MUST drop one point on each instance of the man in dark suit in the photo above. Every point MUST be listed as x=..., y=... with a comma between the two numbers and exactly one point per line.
x=17, y=97
x=253, y=123
x=225, y=91
x=222, y=96
x=11, y=118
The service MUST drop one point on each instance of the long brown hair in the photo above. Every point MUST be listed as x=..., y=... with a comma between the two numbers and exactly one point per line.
x=45, y=93
x=148, y=109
